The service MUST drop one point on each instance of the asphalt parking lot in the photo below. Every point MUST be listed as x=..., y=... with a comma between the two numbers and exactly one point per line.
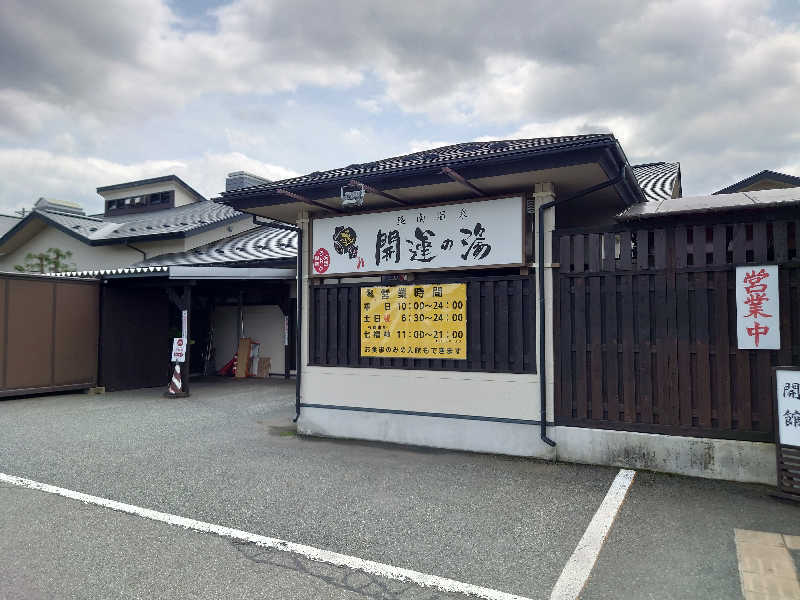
x=227, y=455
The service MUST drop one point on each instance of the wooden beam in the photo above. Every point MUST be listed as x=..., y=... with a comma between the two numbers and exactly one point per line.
x=459, y=179
x=300, y=198
x=378, y=192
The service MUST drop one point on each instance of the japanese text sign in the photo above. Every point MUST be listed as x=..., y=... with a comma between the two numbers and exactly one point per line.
x=468, y=234
x=788, y=390
x=414, y=321
x=179, y=349
x=757, y=308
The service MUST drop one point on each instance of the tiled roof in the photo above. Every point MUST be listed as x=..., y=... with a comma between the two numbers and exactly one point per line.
x=657, y=180
x=178, y=220
x=713, y=203
x=259, y=244
x=446, y=155
x=789, y=180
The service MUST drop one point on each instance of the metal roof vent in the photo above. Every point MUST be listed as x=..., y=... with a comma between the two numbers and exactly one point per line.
x=64, y=206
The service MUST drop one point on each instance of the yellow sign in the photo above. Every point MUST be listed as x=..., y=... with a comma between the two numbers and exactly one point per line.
x=414, y=321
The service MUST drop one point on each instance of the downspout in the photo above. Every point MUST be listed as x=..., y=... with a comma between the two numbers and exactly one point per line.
x=144, y=254
x=542, y=317
x=299, y=317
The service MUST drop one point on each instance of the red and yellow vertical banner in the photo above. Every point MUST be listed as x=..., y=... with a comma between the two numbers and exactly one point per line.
x=414, y=321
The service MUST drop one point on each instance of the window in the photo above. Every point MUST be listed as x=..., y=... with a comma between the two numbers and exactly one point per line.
x=161, y=198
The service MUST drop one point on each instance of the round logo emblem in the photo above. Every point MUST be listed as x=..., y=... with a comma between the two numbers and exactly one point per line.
x=322, y=260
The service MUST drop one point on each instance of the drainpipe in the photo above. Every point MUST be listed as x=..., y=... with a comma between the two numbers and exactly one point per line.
x=299, y=317
x=542, y=320
x=144, y=254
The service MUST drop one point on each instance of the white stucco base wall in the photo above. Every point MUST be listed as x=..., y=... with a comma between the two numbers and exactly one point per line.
x=732, y=460
x=698, y=457
x=498, y=395
x=451, y=433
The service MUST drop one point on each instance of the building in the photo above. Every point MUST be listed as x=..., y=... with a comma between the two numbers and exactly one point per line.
x=764, y=180
x=242, y=179
x=142, y=220
x=158, y=235
x=525, y=297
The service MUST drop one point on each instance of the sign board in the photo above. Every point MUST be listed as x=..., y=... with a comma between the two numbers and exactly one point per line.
x=286, y=330
x=788, y=408
x=184, y=323
x=787, y=430
x=448, y=236
x=352, y=195
x=757, y=308
x=179, y=349
x=414, y=321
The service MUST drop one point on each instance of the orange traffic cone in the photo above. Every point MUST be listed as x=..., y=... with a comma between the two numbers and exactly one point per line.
x=175, y=387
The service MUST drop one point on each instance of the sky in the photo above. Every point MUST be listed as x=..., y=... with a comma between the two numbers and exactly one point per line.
x=94, y=93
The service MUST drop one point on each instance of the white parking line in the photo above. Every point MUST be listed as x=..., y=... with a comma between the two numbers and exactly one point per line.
x=579, y=566
x=309, y=552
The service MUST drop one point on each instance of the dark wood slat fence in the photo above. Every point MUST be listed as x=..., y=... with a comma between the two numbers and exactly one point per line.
x=645, y=326
x=501, y=334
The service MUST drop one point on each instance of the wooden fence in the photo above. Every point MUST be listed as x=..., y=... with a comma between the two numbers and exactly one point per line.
x=646, y=329
x=501, y=334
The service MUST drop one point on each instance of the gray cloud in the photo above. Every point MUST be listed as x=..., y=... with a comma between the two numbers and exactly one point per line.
x=713, y=84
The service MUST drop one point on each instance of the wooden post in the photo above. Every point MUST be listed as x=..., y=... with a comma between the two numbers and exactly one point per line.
x=187, y=306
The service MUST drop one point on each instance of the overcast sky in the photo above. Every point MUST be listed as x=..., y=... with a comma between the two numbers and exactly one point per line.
x=100, y=92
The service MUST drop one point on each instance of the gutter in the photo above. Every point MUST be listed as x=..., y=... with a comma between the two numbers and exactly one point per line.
x=542, y=316
x=298, y=359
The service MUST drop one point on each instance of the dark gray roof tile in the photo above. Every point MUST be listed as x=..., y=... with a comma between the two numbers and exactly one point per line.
x=444, y=156
x=258, y=244
x=657, y=180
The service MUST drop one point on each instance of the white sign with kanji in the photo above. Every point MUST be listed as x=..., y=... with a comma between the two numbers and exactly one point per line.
x=484, y=233
x=788, y=389
x=179, y=347
x=758, y=308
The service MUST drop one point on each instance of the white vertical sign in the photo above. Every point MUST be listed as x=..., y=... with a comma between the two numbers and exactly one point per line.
x=184, y=323
x=179, y=349
x=788, y=389
x=286, y=330
x=757, y=308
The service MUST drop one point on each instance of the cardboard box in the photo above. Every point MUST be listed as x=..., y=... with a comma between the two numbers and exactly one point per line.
x=263, y=367
x=243, y=357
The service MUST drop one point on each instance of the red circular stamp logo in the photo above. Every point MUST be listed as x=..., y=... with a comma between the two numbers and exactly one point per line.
x=322, y=260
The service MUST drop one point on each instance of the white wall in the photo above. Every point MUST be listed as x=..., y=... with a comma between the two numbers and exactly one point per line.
x=498, y=395
x=262, y=323
x=112, y=256
x=84, y=256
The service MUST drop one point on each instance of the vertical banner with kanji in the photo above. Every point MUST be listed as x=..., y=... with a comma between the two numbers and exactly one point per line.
x=758, y=308
x=414, y=321
x=788, y=389
x=787, y=431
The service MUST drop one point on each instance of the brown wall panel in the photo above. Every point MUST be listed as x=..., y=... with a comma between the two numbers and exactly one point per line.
x=77, y=330
x=3, y=321
x=29, y=361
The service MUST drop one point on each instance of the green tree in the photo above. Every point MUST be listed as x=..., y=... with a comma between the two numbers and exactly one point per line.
x=54, y=260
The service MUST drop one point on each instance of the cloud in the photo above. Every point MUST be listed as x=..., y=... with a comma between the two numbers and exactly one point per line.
x=712, y=84
x=31, y=173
